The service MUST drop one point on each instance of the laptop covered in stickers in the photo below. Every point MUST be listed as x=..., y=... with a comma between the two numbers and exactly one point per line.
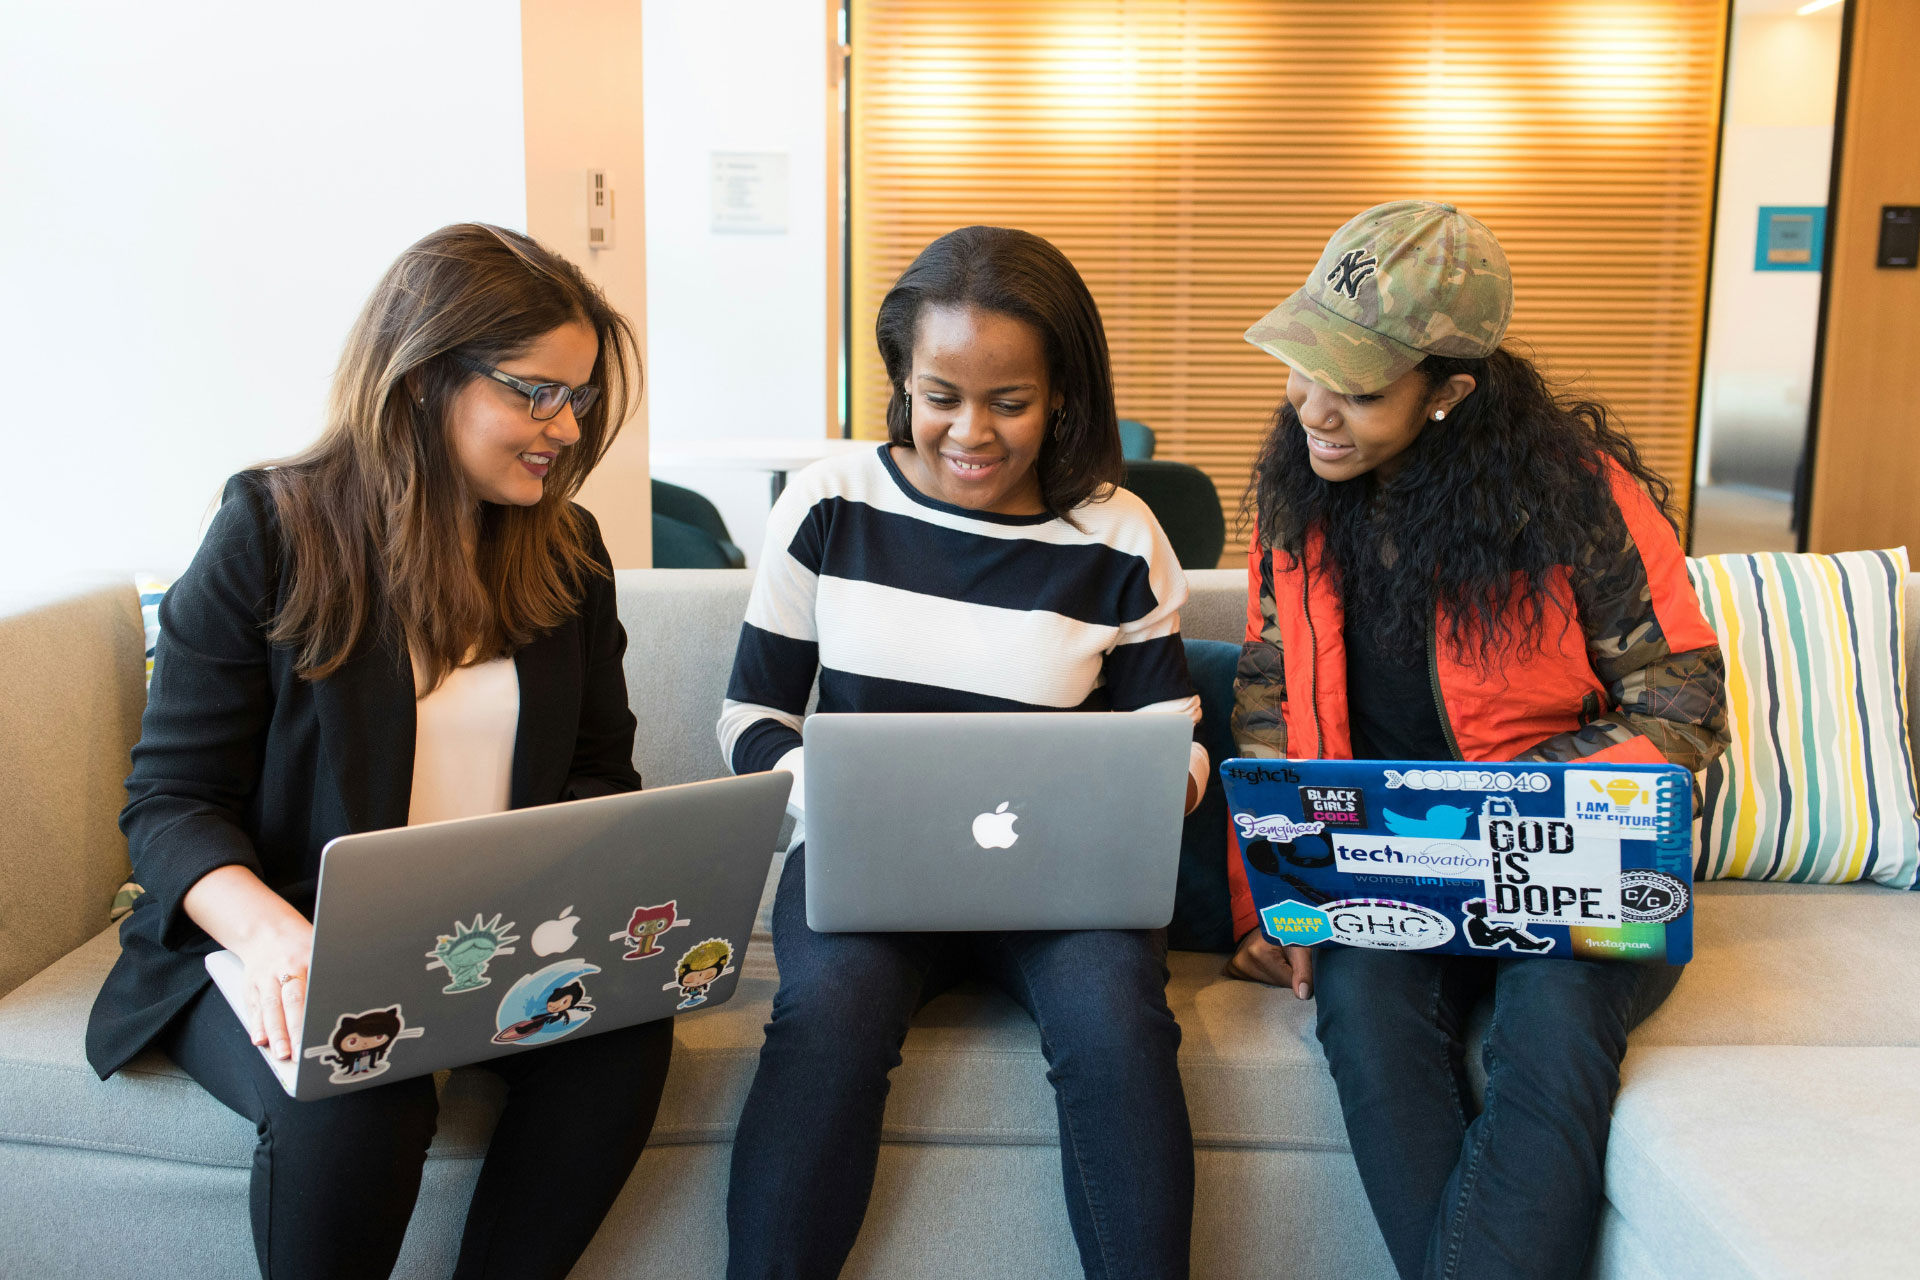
x=1557, y=861
x=449, y=943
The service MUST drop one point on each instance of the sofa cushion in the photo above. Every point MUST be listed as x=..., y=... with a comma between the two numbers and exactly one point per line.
x=1817, y=784
x=1824, y=1186
x=971, y=1072
x=971, y=1069
x=71, y=688
x=1796, y=965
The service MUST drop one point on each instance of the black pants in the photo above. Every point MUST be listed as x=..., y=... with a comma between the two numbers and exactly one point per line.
x=809, y=1136
x=1509, y=1190
x=334, y=1180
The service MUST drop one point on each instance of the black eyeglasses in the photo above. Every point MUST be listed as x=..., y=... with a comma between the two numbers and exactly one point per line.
x=547, y=397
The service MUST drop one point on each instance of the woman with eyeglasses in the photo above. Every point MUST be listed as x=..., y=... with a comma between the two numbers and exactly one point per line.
x=408, y=622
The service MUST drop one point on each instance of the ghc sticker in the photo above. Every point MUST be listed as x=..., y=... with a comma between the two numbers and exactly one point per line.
x=1296, y=924
x=1387, y=925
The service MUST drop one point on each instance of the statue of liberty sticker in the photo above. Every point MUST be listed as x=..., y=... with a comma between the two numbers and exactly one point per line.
x=466, y=952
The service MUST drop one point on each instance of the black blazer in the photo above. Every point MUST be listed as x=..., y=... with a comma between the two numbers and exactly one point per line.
x=242, y=762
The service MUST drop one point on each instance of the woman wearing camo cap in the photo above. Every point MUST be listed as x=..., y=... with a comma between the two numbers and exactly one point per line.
x=1454, y=562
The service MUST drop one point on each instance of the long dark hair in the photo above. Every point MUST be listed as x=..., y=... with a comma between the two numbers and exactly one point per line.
x=372, y=513
x=1487, y=503
x=1018, y=274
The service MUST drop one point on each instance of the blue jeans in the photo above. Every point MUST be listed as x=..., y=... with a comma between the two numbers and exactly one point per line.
x=1515, y=1189
x=809, y=1136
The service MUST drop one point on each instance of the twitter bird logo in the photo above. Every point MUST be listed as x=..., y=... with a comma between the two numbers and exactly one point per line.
x=1443, y=821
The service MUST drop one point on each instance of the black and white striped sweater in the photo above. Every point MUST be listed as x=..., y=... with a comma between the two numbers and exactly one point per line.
x=899, y=602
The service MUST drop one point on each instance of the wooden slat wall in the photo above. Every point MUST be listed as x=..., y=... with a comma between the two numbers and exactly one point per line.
x=1866, y=460
x=1192, y=159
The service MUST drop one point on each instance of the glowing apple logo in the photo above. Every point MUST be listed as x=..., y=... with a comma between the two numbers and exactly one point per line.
x=555, y=935
x=995, y=830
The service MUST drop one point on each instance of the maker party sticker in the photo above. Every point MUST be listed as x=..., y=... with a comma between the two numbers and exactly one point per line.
x=1296, y=924
x=1388, y=925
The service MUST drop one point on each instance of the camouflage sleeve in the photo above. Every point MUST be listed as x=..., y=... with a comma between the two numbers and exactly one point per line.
x=1260, y=682
x=1677, y=701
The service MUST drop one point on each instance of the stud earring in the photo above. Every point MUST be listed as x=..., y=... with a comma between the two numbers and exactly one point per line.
x=1439, y=415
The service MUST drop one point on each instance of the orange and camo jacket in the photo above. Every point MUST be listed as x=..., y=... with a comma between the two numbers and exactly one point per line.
x=1627, y=668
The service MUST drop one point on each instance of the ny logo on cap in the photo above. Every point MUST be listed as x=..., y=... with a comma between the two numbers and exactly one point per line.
x=1351, y=272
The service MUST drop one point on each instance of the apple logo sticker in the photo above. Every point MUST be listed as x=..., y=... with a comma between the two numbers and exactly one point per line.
x=555, y=935
x=990, y=830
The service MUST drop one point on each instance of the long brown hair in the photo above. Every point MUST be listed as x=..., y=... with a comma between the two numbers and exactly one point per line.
x=373, y=513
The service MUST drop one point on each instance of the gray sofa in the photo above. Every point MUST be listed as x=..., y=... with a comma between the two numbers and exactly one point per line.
x=1766, y=1126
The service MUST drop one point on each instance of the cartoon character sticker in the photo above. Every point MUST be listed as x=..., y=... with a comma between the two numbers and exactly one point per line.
x=1489, y=935
x=546, y=1004
x=466, y=952
x=360, y=1043
x=646, y=926
x=700, y=968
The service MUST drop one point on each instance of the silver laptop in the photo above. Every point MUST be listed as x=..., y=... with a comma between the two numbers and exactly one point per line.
x=445, y=944
x=994, y=820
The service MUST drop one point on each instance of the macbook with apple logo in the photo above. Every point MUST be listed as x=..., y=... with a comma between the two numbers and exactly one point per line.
x=450, y=943
x=991, y=820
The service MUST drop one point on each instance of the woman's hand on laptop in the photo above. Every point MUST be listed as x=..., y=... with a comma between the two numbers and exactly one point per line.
x=273, y=941
x=277, y=985
x=1258, y=960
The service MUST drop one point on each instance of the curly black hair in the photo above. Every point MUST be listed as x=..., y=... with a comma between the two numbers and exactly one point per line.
x=1512, y=484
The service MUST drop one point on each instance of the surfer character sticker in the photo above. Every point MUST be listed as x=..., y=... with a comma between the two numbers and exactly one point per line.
x=700, y=968
x=466, y=952
x=546, y=1004
x=360, y=1043
x=644, y=929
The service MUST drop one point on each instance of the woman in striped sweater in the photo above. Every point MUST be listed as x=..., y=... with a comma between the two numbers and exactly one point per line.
x=984, y=559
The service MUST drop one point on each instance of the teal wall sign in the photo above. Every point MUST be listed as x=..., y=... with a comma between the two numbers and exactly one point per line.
x=1792, y=237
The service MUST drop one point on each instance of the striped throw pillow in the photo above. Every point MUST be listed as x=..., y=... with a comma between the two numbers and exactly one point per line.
x=1818, y=785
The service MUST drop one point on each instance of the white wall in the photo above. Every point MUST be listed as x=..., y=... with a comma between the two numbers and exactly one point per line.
x=738, y=323
x=1777, y=150
x=198, y=197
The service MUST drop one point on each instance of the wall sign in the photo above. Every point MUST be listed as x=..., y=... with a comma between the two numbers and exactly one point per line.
x=750, y=192
x=1792, y=237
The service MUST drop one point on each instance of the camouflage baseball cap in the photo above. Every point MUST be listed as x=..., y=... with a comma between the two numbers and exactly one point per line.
x=1398, y=283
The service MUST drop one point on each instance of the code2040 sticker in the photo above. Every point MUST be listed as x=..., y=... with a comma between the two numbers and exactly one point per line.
x=1652, y=897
